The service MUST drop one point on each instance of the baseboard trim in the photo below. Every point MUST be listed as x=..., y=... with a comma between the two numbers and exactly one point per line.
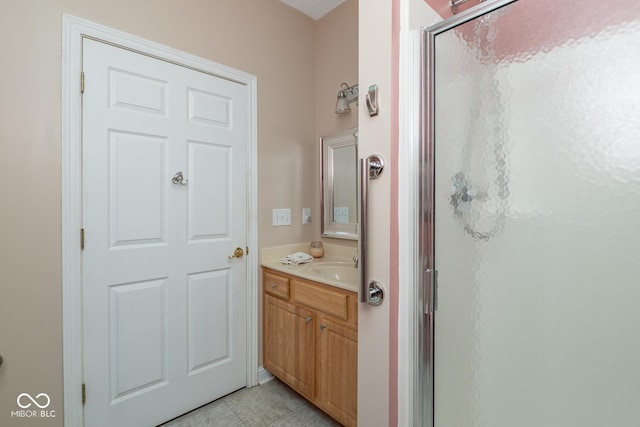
x=264, y=376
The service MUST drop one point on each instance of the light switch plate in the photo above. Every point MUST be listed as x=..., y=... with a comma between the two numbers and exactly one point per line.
x=281, y=217
x=306, y=215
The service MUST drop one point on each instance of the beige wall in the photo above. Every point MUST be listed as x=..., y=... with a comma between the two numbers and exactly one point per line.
x=262, y=37
x=336, y=62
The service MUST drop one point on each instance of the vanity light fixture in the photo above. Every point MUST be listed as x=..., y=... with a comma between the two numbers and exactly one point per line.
x=346, y=95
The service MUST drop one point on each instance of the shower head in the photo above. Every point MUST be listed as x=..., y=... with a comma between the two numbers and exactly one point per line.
x=453, y=5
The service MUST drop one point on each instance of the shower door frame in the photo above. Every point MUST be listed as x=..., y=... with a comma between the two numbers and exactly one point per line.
x=426, y=301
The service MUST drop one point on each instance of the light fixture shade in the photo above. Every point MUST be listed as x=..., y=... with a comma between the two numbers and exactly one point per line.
x=342, y=105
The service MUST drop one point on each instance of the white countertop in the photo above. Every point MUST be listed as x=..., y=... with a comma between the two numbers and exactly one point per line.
x=333, y=253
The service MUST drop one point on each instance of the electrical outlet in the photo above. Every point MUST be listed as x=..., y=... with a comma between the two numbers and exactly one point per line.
x=306, y=215
x=281, y=217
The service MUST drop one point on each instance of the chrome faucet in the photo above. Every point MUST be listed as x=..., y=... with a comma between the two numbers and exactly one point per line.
x=355, y=261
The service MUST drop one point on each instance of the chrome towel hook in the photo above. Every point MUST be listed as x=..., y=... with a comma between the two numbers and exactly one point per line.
x=178, y=179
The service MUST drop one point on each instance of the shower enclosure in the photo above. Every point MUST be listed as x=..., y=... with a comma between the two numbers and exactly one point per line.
x=531, y=224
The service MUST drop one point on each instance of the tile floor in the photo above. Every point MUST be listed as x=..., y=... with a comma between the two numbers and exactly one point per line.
x=272, y=404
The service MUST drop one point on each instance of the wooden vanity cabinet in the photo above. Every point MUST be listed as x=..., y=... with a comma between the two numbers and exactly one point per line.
x=310, y=341
x=289, y=351
x=337, y=374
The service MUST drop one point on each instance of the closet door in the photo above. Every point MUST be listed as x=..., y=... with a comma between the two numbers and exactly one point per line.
x=164, y=206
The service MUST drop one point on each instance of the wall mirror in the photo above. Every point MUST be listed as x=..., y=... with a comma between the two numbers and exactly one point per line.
x=339, y=184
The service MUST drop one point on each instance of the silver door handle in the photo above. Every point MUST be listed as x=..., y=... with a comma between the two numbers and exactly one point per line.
x=371, y=292
x=430, y=291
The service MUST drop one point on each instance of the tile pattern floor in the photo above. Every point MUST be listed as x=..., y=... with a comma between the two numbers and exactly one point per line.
x=272, y=404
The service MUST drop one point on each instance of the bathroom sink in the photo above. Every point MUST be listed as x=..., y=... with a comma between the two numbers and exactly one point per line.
x=339, y=271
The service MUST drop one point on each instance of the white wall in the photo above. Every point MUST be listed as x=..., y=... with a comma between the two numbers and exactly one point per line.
x=414, y=15
x=375, y=138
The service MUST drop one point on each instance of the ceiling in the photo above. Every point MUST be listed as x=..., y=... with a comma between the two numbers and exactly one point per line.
x=316, y=9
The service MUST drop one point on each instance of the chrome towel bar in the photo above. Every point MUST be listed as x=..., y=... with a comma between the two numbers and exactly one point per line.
x=371, y=291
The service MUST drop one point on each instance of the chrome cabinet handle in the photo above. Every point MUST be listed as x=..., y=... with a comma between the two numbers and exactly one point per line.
x=178, y=179
x=323, y=326
x=308, y=319
x=371, y=292
x=273, y=285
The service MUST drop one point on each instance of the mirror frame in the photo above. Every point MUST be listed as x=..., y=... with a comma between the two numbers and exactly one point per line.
x=328, y=143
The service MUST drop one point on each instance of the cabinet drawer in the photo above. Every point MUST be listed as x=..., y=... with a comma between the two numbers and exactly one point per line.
x=275, y=285
x=322, y=298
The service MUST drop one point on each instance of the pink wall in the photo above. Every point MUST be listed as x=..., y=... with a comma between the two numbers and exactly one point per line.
x=442, y=6
x=549, y=18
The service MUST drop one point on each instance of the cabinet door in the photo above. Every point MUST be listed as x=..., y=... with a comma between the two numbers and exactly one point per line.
x=289, y=344
x=338, y=371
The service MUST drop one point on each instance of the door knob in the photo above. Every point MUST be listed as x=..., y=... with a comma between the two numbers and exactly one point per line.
x=376, y=293
x=237, y=253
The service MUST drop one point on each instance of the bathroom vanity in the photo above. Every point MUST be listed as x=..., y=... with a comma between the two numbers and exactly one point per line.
x=310, y=335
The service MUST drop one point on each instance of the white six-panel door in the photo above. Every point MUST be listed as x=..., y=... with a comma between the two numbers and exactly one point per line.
x=164, y=306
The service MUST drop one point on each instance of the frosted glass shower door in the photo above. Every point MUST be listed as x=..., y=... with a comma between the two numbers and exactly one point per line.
x=535, y=158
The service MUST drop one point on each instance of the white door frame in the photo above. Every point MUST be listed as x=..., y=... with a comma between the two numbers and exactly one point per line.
x=409, y=214
x=73, y=31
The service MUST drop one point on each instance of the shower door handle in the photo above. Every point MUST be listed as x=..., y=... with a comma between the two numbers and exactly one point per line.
x=430, y=291
x=371, y=291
